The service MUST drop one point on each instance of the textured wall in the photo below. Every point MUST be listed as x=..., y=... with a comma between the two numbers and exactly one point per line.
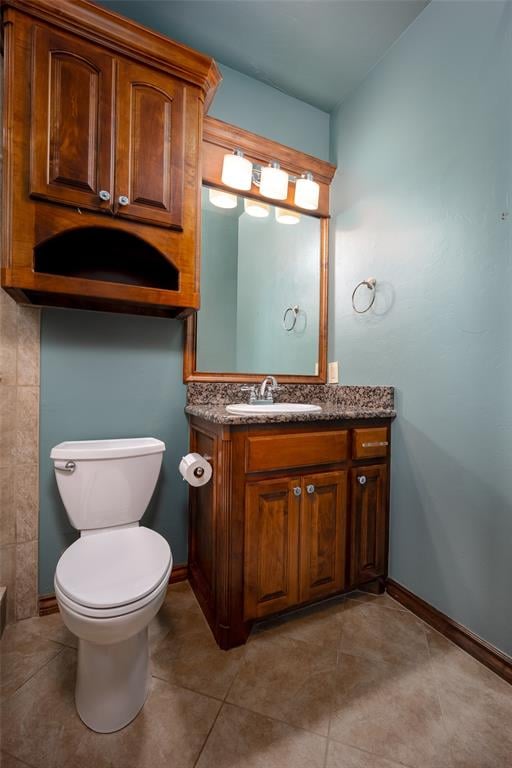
x=114, y=376
x=424, y=151
x=19, y=428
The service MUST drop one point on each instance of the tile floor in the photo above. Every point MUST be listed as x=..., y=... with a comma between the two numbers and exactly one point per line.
x=356, y=683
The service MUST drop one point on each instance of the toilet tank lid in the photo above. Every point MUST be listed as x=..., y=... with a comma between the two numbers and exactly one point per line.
x=107, y=449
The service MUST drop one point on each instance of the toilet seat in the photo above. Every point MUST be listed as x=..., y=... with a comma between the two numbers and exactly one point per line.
x=114, y=572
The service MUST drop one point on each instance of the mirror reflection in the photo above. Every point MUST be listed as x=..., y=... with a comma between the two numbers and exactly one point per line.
x=260, y=288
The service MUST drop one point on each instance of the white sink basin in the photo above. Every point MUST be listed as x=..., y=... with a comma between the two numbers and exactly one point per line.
x=246, y=409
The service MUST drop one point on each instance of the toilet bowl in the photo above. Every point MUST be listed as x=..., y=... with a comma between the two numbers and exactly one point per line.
x=111, y=582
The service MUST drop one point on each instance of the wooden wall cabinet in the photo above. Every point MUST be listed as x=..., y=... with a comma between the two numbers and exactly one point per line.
x=291, y=516
x=102, y=141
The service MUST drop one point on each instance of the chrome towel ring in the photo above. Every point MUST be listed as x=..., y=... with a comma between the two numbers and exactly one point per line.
x=370, y=283
x=292, y=322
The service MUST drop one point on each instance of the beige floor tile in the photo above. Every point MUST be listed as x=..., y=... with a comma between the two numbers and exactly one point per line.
x=42, y=727
x=180, y=601
x=40, y=724
x=377, y=633
x=341, y=756
x=22, y=655
x=476, y=704
x=384, y=601
x=319, y=625
x=288, y=680
x=189, y=656
x=242, y=739
x=390, y=710
x=8, y=761
x=169, y=731
x=51, y=628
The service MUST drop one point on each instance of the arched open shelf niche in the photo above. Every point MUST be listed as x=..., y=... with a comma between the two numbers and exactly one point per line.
x=107, y=255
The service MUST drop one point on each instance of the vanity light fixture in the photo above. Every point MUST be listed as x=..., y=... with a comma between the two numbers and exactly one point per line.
x=222, y=199
x=256, y=208
x=284, y=216
x=274, y=182
x=237, y=171
x=307, y=192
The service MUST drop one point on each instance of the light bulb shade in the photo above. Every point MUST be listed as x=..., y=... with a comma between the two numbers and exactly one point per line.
x=274, y=182
x=237, y=172
x=283, y=216
x=307, y=192
x=222, y=199
x=256, y=209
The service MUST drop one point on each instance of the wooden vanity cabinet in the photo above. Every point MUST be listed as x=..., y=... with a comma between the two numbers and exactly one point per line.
x=286, y=520
x=102, y=140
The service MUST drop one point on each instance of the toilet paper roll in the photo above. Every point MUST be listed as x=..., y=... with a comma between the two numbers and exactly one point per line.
x=195, y=469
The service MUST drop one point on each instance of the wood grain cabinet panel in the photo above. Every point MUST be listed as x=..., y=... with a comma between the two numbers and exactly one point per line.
x=71, y=121
x=271, y=547
x=369, y=523
x=150, y=146
x=323, y=534
x=267, y=537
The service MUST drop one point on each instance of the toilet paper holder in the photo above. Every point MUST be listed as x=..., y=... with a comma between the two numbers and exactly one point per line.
x=199, y=471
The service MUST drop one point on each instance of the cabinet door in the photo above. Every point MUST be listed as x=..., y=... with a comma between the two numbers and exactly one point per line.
x=323, y=534
x=271, y=546
x=72, y=121
x=368, y=534
x=149, y=146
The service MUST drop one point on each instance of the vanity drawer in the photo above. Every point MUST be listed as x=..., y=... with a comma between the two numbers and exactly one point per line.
x=370, y=443
x=300, y=449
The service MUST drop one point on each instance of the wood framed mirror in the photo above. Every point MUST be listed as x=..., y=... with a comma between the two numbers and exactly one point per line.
x=264, y=279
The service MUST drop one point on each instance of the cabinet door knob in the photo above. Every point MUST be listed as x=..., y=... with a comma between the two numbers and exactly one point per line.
x=297, y=490
x=123, y=200
x=104, y=195
x=361, y=479
x=310, y=488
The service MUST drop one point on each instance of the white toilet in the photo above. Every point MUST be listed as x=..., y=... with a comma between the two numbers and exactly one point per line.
x=111, y=582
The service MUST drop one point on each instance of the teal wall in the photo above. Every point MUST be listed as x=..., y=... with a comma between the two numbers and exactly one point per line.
x=216, y=329
x=116, y=375
x=258, y=108
x=278, y=267
x=424, y=148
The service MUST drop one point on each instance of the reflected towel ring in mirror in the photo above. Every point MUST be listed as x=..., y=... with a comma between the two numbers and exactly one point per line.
x=370, y=283
x=289, y=324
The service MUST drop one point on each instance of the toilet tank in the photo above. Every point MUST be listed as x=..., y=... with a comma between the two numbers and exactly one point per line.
x=105, y=483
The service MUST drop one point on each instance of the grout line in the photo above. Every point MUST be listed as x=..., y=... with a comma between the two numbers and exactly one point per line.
x=208, y=735
x=436, y=687
x=39, y=669
x=9, y=754
x=186, y=688
x=374, y=755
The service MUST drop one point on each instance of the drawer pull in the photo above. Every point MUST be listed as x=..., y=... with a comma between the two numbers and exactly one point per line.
x=361, y=479
x=310, y=488
x=379, y=444
x=297, y=490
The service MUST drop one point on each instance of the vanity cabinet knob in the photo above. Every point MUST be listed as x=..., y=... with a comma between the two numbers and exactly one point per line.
x=123, y=200
x=310, y=488
x=104, y=195
x=297, y=490
x=361, y=479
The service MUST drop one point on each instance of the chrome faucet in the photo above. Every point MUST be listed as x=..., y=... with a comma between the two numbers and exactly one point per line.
x=264, y=395
x=267, y=388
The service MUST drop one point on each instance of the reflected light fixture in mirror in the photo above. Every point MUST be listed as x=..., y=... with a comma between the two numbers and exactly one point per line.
x=307, y=192
x=222, y=199
x=256, y=209
x=274, y=182
x=237, y=171
x=284, y=216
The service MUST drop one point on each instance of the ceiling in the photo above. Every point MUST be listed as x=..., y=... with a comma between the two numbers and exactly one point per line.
x=315, y=50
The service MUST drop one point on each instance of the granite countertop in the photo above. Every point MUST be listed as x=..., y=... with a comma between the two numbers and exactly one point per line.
x=217, y=414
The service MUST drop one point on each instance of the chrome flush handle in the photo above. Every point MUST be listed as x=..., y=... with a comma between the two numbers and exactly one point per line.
x=69, y=466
